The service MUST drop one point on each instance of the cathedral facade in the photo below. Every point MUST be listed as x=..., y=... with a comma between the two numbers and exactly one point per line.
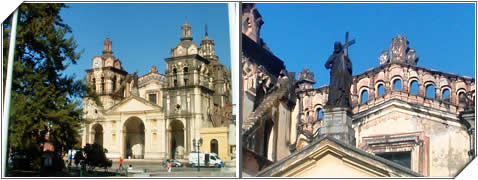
x=405, y=120
x=157, y=116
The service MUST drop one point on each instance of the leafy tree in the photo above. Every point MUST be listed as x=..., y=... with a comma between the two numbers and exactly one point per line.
x=94, y=156
x=44, y=100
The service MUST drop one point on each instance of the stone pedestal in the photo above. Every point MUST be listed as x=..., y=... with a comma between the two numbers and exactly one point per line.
x=337, y=123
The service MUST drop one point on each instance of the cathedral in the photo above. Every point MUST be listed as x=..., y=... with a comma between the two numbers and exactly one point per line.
x=404, y=120
x=158, y=116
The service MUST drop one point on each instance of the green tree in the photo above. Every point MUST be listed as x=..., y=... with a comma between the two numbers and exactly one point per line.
x=96, y=156
x=44, y=100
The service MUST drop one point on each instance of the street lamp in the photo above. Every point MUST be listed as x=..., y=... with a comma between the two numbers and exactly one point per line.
x=198, y=144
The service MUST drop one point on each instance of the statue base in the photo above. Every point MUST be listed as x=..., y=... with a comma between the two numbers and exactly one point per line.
x=337, y=123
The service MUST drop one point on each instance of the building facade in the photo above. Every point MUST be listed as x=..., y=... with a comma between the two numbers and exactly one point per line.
x=405, y=114
x=157, y=116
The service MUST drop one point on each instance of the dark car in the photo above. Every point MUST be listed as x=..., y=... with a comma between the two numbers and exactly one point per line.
x=174, y=163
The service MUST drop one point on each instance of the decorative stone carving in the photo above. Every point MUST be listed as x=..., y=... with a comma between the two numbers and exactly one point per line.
x=133, y=80
x=384, y=58
x=263, y=79
x=306, y=75
x=398, y=49
x=153, y=69
x=251, y=22
x=412, y=57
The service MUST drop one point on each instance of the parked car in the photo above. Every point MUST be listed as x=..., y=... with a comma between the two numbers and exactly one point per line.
x=174, y=163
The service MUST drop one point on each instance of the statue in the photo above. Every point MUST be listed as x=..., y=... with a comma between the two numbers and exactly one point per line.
x=384, y=58
x=133, y=79
x=340, y=75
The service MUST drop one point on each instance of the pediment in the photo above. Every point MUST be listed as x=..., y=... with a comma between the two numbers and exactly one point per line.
x=328, y=157
x=133, y=104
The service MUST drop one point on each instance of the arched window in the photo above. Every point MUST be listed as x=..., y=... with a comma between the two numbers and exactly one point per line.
x=102, y=85
x=320, y=113
x=380, y=90
x=93, y=84
x=98, y=134
x=114, y=84
x=186, y=79
x=364, y=96
x=214, y=146
x=414, y=87
x=446, y=95
x=175, y=80
x=461, y=97
x=430, y=91
x=397, y=84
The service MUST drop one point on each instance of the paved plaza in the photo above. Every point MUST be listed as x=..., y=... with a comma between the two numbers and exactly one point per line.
x=154, y=168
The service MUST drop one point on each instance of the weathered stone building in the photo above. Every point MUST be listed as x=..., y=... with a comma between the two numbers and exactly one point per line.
x=401, y=114
x=157, y=116
x=267, y=98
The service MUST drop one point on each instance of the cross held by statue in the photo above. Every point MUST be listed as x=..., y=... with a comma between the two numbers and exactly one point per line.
x=347, y=43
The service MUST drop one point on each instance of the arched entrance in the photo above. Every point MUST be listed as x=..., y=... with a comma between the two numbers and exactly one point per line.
x=134, y=138
x=176, y=142
x=97, y=134
x=214, y=146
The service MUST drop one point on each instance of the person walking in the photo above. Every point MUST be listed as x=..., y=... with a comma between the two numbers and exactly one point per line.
x=169, y=166
x=121, y=163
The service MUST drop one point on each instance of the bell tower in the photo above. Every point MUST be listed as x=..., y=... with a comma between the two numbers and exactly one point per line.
x=106, y=75
x=188, y=94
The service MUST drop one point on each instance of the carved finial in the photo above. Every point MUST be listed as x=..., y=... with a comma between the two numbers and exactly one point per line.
x=107, y=49
x=398, y=49
x=384, y=58
x=412, y=57
x=306, y=79
x=186, y=32
x=401, y=52
x=205, y=29
x=251, y=22
x=153, y=69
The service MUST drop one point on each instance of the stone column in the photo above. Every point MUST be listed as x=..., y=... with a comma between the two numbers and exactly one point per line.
x=438, y=95
x=187, y=139
x=180, y=78
x=371, y=85
x=147, y=141
x=109, y=86
x=453, y=89
x=275, y=120
x=405, y=82
x=122, y=135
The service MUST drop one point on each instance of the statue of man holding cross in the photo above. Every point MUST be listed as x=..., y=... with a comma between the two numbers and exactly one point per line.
x=340, y=75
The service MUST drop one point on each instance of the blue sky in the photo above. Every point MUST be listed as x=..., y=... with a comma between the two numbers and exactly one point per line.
x=302, y=35
x=143, y=34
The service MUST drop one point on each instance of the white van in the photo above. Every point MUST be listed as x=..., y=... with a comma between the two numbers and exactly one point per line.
x=206, y=159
